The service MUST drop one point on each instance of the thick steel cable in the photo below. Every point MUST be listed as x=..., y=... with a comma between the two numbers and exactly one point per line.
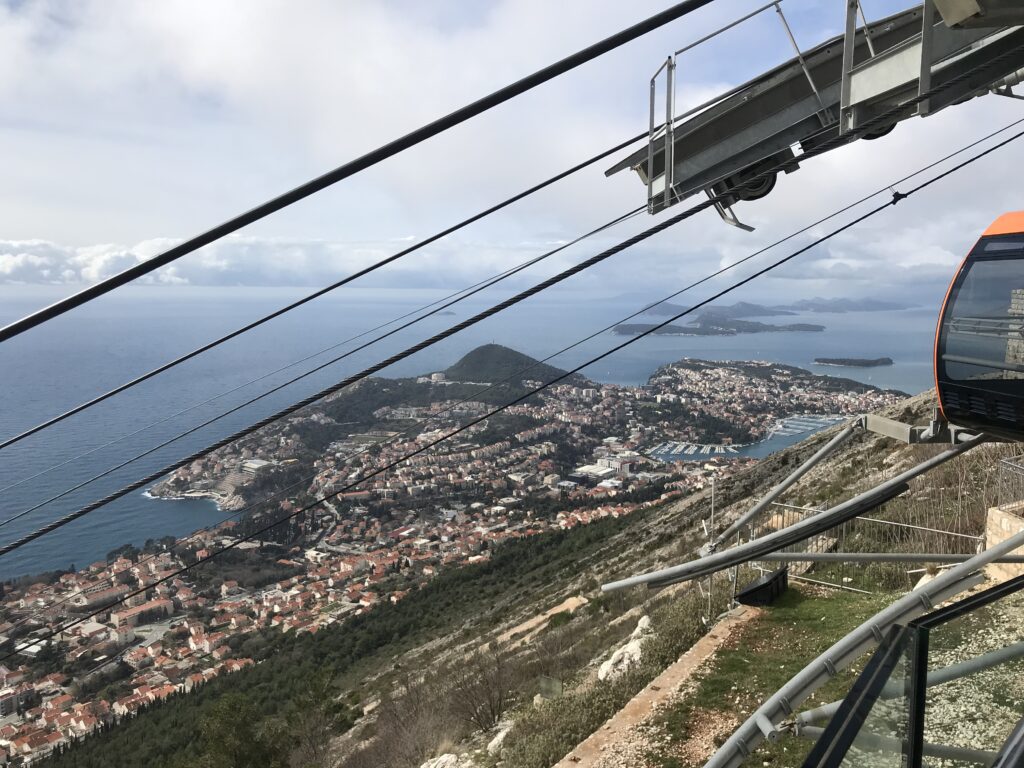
x=440, y=306
x=397, y=357
x=640, y=237
x=322, y=366
x=896, y=198
x=521, y=372
x=248, y=383
x=824, y=147
x=234, y=389
x=725, y=197
x=353, y=167
x=310, y=297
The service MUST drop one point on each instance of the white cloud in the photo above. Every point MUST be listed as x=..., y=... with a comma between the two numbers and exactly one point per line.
x=256, y=261
x=144, y=123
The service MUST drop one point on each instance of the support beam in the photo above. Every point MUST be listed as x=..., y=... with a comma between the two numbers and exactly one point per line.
x=805, y=529
x=876, y=557
x=779, y=489
x=784, y=702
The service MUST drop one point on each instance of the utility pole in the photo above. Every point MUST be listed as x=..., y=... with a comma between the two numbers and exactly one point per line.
x=711, y=524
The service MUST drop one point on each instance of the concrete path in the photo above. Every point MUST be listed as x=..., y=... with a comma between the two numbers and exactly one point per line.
x=617, y=730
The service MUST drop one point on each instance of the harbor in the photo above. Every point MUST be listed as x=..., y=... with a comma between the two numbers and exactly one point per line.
x=786, y=432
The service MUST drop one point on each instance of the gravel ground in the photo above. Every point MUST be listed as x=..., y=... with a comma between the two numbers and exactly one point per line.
x=976, y=712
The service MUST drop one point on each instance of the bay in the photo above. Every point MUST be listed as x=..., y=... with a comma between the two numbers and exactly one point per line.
x=52, y=368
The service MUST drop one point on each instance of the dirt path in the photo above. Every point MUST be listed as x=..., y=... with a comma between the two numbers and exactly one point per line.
x=529, y=628
x=614, y=743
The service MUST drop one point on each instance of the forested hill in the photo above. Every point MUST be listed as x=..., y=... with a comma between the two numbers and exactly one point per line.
x=493, y=363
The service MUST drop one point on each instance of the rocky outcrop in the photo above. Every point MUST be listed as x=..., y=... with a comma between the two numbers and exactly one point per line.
x=449, y=761
x=629, y=654
x=495, y=744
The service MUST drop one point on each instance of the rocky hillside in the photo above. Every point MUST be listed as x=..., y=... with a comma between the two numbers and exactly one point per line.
x=517, y=660
x=575, y=657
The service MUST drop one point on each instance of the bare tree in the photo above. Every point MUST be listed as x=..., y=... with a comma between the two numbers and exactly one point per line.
x=557, y=653
x=412, y=722
x=482, y=688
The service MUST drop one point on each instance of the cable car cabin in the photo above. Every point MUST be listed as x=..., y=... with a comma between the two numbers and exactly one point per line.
x=979, y=343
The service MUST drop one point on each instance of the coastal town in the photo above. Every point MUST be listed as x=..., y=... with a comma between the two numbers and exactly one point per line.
x=390, y=506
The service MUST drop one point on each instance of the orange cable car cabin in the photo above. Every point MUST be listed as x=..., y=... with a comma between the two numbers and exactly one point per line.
x=979, y=342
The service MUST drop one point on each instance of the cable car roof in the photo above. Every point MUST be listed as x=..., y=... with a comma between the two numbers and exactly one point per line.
x=1008, y=224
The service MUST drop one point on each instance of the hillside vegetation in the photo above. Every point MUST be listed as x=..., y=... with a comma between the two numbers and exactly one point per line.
x=493, y=363
x=440, y=670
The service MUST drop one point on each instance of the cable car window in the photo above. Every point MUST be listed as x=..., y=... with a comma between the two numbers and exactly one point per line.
x=982, y=329
x=994, y=246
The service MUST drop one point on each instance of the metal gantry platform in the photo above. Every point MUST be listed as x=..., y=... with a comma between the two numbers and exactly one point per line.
x=733, y=146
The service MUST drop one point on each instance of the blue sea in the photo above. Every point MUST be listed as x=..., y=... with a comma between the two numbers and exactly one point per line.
x=88, y=351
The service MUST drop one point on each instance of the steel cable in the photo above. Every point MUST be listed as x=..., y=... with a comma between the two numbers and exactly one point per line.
x=897, y=197
x=725, y=198
x=525, y=370
x=322, y=366
x=353, y=167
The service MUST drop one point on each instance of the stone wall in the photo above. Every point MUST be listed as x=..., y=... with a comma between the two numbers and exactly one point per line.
x=1002, y=523
x=1014, y=341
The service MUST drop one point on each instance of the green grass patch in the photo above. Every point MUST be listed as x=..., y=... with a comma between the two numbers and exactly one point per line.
x=760, y=659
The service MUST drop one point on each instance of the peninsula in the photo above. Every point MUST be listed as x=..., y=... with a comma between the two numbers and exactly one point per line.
x=854, y=362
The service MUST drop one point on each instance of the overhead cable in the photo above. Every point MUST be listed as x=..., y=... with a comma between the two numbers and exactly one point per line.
x=493, y=310
x=6, y=442
x=726, y=197
x=353, y=167
x=322, y=366
x=425, y=308
x=519, y=374
x=897, y=197
x=397, y=357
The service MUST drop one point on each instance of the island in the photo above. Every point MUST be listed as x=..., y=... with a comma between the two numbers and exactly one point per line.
x=854, y=362
x=715, y=321
x=743, y=309
x=635, y=329
x=840, y=306
x=737, y=310
x=713, y=324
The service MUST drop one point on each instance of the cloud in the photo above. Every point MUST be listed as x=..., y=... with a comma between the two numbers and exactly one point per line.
x=145, y=123
x=256, y=261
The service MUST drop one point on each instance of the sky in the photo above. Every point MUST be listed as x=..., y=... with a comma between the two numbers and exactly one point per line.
x=126, y=127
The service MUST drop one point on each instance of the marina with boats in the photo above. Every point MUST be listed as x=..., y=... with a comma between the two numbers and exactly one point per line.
x=786, y=432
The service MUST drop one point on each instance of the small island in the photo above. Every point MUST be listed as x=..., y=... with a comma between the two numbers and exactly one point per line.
x=854, y=362
x=635, y=329
x=711, y=324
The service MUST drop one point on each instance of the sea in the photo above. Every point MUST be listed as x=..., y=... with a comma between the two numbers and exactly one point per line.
x=86, y=352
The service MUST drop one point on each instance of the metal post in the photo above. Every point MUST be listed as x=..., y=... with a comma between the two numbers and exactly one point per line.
x=670, y=149
x=712, y=526
x=925, y=78
x=825, y=115
x=650, y=145
x=778, y=490
x=849, y=47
